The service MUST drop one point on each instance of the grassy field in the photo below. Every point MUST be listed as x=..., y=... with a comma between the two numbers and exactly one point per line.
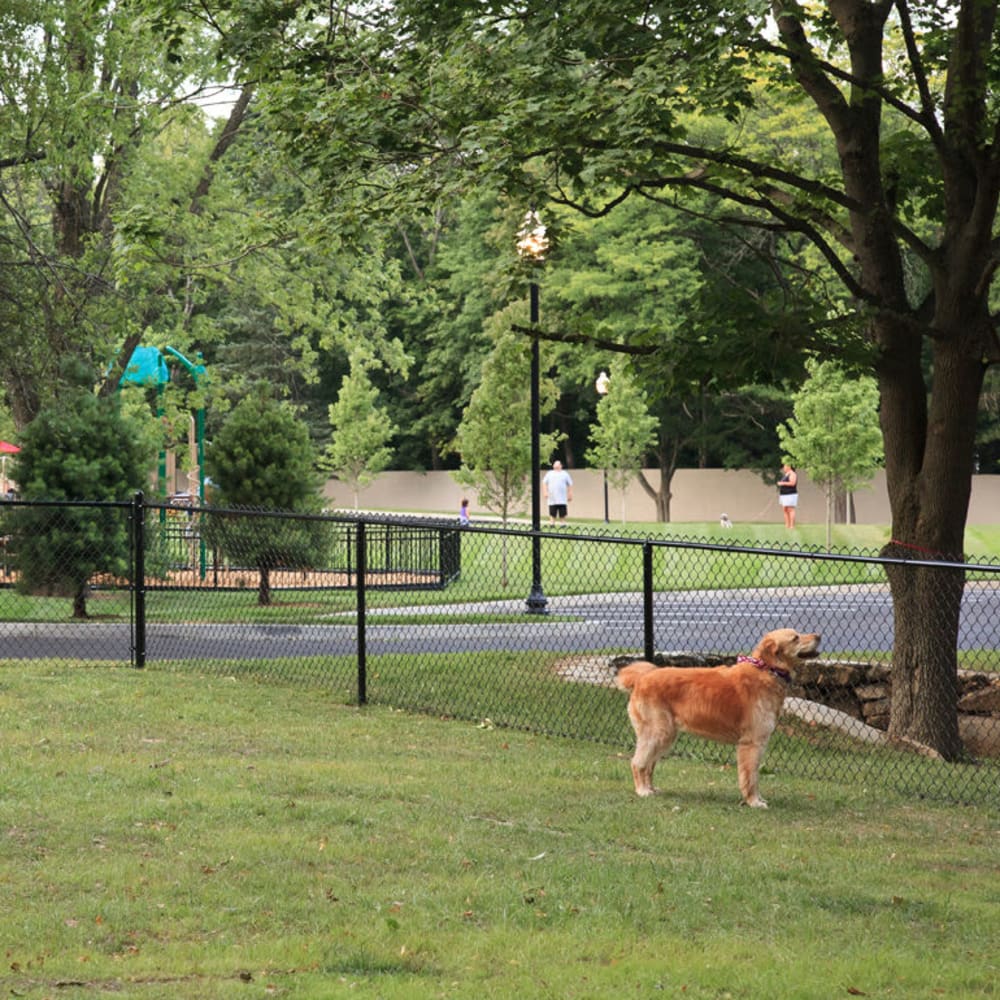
x=177, y=836
x=571, y=566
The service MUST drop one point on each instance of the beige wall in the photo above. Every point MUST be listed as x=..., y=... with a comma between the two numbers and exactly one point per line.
x=698, y=495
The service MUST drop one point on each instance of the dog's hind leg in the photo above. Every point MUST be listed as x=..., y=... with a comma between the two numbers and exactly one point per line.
x=651, y=744
x=748, y=757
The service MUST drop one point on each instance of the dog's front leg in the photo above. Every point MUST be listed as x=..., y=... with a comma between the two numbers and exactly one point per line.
x=748, y=757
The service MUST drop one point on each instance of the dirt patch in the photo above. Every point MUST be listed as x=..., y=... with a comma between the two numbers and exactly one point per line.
x=586, y=670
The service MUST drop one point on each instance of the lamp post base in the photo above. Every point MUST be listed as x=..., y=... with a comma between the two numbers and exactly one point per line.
x=537, y=603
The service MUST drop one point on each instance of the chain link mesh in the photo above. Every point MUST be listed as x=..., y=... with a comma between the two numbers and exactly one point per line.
x=428, y=616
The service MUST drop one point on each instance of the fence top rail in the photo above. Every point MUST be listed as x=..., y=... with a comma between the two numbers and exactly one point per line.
x=119, y=504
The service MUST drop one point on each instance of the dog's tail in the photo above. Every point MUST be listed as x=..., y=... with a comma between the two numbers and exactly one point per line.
x=631, y=672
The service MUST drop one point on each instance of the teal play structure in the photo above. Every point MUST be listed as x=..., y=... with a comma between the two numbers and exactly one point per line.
x=147, y=366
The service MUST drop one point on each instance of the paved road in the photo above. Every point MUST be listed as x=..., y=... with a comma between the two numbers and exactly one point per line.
x=858, y=618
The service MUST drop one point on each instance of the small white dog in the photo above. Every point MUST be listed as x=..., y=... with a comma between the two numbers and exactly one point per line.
x=724, y=521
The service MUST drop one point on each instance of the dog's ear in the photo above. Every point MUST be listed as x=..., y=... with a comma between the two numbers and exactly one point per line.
x=767, y=649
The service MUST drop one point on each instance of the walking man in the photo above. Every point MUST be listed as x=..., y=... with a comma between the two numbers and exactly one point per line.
x=557, y=488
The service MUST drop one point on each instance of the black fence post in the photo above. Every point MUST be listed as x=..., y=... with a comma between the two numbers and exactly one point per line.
x=362, y=570
x=138, y=580
x=647, y=600
x=449, y=554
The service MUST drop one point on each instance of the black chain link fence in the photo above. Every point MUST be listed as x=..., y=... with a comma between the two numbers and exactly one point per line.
x=424, y=615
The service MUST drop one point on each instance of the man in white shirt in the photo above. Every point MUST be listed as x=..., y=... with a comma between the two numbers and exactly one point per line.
x=557, y=488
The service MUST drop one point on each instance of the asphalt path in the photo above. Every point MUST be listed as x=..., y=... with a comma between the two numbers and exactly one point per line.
x=849, y=618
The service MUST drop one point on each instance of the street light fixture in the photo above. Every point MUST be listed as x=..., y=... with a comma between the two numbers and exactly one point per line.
x=602, y=385
x=532, y=245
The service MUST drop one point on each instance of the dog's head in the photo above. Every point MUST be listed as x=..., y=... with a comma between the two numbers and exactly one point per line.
x=784, y=647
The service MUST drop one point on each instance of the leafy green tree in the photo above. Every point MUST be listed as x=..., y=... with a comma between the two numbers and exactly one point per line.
x=676, y=295
x=87, y=87
x=451, y=261
x=361, y=433
x=494, y=438
x=611, y=101
x=625, y=430
x=834, y=432
x=261, y=459
x=81, y=449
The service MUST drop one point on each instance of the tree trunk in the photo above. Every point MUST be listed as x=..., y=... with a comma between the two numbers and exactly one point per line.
x=926, y=612
x=264, y=586
x=660, y=497
x=840, y=503
x=80, y=602
x=831, y=500
x=667, y=456
x=22, y=397
x=929, y=455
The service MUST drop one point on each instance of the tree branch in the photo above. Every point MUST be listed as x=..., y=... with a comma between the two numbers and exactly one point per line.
x=226, y=138
x=928, y=115
x=583, y=338
x=18, y=161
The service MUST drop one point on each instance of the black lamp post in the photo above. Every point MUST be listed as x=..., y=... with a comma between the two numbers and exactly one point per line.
x=602, y=385
x=532, y=245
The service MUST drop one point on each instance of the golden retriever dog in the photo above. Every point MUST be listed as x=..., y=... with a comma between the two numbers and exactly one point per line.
x=738, y=704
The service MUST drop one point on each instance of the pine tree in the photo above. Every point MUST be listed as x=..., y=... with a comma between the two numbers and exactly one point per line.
x=81, y=449
x=262, y=459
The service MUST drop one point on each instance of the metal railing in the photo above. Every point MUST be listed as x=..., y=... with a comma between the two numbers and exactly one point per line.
x=413, y=554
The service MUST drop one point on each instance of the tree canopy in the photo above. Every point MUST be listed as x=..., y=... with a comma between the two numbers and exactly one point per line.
x=888, y=222
x=848, y=149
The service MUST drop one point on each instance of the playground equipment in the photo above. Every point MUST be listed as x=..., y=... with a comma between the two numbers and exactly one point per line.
x=147, y=366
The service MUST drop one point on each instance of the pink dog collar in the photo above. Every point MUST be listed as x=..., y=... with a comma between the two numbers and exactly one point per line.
x=761, y=665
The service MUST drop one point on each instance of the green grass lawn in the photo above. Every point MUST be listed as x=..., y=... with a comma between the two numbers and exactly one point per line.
x=180, y=836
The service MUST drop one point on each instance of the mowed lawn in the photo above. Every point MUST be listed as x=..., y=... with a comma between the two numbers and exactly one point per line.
x=176, y=836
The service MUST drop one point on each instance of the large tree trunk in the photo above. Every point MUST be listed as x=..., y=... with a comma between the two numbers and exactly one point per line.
x=926, y=606
x=929, y=455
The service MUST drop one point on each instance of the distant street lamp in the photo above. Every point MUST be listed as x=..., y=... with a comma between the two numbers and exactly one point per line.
x=602, y=385
x=532, y=245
